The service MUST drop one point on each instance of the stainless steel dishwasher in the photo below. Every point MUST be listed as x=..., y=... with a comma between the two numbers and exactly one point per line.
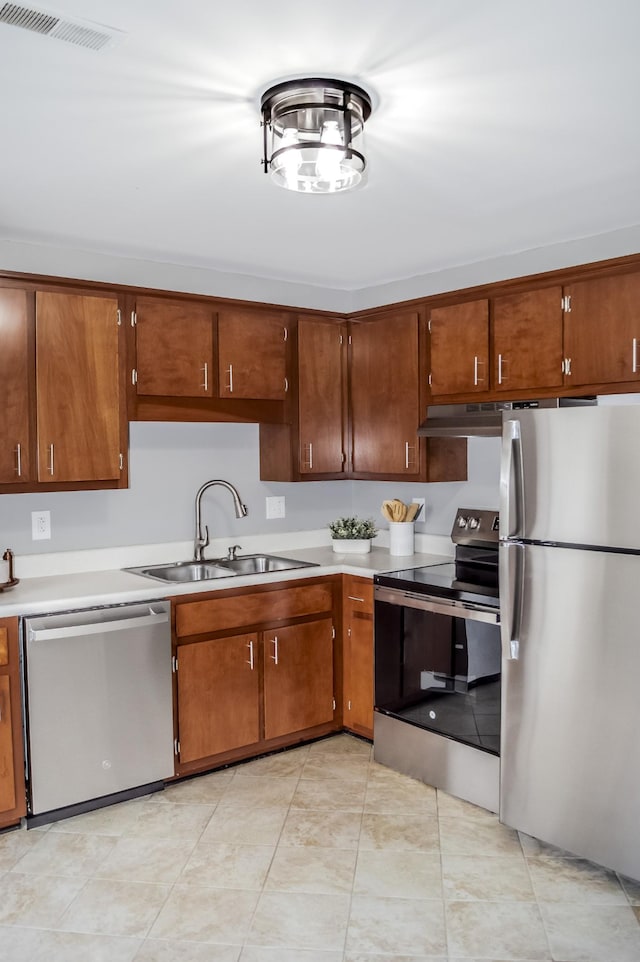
x=99, y=707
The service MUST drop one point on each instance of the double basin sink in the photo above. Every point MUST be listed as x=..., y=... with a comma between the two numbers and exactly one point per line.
x=186, y=572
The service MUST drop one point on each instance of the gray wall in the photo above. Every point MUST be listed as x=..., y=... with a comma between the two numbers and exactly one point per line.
x=168, y=463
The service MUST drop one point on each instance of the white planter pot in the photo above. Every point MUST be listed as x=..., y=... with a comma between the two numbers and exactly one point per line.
x=351, y=545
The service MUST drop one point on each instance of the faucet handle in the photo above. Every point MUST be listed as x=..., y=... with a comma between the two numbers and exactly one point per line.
x=231, y=551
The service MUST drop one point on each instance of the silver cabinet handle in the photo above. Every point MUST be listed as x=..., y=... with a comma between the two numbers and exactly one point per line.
x=274, y=656
x=309, y=457
x=408, y=462
x=634, y=353
x=205, y=371
x=475, y=369
x=353, y=598
x=19, y=459
x=51, y=459
x=230, y=373
x=250, y=662
x=511, y=592
x=500, y=375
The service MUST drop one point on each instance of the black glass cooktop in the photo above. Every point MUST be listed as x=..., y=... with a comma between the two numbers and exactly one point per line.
x=450, y=580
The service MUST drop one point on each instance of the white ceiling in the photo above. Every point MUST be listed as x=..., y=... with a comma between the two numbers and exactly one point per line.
x=500, y=126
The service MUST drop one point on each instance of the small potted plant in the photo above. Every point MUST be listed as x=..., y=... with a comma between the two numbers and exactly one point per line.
x=352, y=535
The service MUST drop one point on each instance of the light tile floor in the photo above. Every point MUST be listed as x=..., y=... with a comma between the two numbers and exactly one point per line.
x=314, y=855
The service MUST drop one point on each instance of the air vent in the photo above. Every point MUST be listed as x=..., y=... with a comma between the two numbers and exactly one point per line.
x=95, y=36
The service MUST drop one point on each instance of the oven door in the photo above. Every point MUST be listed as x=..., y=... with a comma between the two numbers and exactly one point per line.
x=437, y=665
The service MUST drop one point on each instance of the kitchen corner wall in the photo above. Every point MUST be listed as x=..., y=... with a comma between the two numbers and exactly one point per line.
x=167, y=464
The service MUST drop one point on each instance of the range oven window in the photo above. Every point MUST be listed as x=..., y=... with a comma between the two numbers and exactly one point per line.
x=439, y=671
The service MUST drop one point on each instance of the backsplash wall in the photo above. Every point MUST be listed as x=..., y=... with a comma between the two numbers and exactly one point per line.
x=167, y=464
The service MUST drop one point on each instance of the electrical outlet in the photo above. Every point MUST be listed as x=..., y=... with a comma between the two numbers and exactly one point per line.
x=418, y=501
x=274, y=507
x=40, y=525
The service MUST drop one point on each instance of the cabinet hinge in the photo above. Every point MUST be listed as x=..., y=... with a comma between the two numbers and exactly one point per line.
x=286, y=333
x=430, y=380
x=341, y=339
x=333, y=631
x=343, y=458
x=566, y=303
x=134, y=376
x=121, y=460
x=334, y=704
x=566, y=366
x=174, y=663
x=119, y=317
x=349, y=705
x=134, y=318
x=349, y=632
x=176, y=747
x=349, y=340
x=429, y=325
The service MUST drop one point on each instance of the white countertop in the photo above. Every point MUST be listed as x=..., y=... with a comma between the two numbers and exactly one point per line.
x=107, y=584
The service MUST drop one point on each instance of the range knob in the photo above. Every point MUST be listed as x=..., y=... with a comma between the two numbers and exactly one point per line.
x=474, y=523
x=461, y=522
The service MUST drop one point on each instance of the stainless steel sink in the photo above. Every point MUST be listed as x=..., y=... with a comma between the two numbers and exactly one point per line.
x=182, y=572
x=251, y=564
x=186, y=572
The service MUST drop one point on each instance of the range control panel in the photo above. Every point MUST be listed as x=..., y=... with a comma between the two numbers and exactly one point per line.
x=475, y=526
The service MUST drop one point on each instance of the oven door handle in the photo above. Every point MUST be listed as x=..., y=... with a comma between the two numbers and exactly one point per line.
x=452, y=609
x=511, y=592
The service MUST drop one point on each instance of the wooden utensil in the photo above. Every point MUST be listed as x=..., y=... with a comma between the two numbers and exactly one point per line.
x=412, y=511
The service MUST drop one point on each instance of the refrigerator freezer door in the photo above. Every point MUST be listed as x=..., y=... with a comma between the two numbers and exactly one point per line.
x=580, y=481
x=570, y=709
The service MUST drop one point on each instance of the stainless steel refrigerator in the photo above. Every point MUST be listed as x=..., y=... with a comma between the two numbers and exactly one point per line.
x=570, y=609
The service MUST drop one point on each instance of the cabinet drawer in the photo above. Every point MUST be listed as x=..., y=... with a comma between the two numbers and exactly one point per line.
x=257, y=608
x=4, y=646
x=358, y=593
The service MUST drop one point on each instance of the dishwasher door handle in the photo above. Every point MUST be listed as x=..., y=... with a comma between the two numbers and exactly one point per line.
x=97, y=627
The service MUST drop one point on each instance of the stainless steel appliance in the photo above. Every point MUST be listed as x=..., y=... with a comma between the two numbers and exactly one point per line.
x=483, y=419
x=98, y=706
x=569, y=584
x=437, y=666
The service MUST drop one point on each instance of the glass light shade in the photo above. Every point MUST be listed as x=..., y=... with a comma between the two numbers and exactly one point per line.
x=313, y=135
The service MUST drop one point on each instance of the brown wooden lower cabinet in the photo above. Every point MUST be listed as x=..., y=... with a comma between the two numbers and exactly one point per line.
x=358, y=655
x=255, y=671
x=218, y=696
x=12, y=795
x=298, y=677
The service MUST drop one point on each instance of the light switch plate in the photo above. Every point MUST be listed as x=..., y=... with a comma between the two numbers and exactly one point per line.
x=275, y=507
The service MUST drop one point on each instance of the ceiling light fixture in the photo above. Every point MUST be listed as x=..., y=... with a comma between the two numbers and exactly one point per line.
x=313, y=134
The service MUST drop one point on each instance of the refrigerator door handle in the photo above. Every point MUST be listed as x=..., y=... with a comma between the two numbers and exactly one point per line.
x=511, y=592
x=511, y=482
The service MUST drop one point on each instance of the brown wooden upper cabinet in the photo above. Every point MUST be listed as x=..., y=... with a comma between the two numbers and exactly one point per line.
x=602, y=330
x=78, y=387
x=252, y=354
x=459, y=343
x=527, y=340
x=15, y=462
x=509, y=345
x=174, y=348
x=385, y=395
x=321, y=396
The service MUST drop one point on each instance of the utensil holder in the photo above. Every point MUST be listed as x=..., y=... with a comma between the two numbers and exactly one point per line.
x=401, y=537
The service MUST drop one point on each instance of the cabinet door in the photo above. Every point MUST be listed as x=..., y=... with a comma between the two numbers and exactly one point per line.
x=298, y=677
x=358, y=656
x=602, y=330
x=459, y=339
x=252, y=354
x=12, y=795
x=14, y=378
x=385, y=408
x=77, y=382
x=321, y=401
x=527, y=340
x=174, y=348
x=218, y=696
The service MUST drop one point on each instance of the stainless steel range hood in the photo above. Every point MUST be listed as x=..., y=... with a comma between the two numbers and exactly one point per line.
x=484, y=419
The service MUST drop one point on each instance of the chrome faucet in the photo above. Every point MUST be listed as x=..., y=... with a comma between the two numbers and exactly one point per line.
x=201, y=542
